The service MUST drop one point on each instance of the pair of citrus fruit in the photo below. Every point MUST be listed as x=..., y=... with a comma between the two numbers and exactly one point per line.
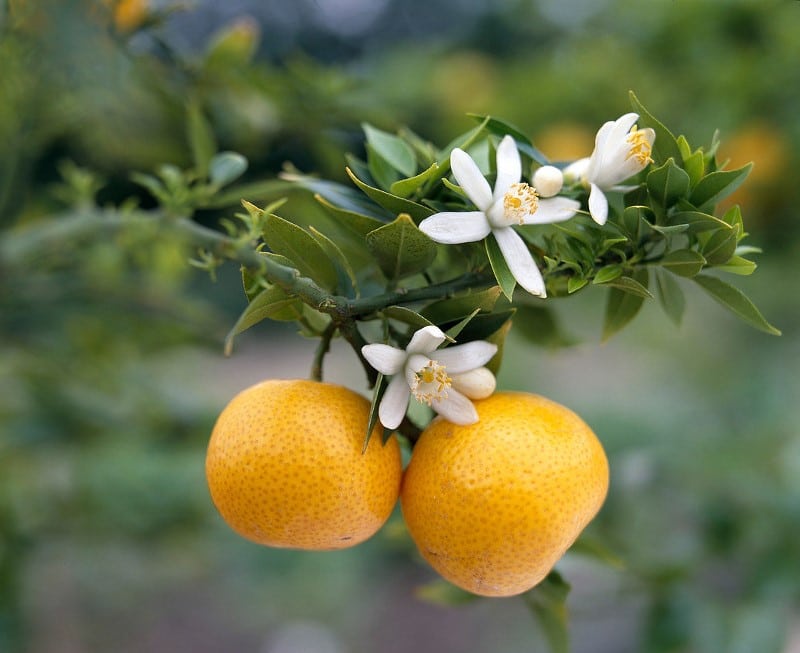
x=491, y=506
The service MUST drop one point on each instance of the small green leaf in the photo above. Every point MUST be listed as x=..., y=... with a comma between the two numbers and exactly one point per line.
x=632, y=217
x=607, y=273
x=393, y=149
x=502, y=128
x=631, y=286
x=695, y=167
x=459, y=306
x=440, y=592
x=500, y=268
x=574, y=284
x=405, y=187
x=720, y=247
x=670, y=296
x=201, y=138
x=538, y=324
x=622, y=306
x=668, y=183
x=338, y=195
x=356, y=224
x=372, y=423
x=718, y=185
x=267, y=304
x=382, y=174
x=665, y=145
x=392, y=203
x=226, y=167
x=299, y=246
x=400, y=248
x=484, y=325
x=736, y=301
x=336, y=255
x=738, y=265
x=697, y=221
x=455, y=330
x=683, y=262
x=406, y=316
x=548, y=604
x=498, y=338
x=596, y=550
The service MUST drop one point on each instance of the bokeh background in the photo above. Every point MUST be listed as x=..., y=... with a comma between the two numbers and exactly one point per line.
x=111, y=365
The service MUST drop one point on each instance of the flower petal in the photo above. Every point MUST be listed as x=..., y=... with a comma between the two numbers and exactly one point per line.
x=384, y=358
x=452, y=228
x=462, y=358
x=598, y=205
x=456, y=408
x=471, y=179
x=520, y=261
x=394, y=403
x=553, y=209
x=475, y=384
x=509, y=167
x=425, y=340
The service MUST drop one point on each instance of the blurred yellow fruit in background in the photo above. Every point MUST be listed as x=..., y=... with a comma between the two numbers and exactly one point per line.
x=494, y=505
x=285, y=466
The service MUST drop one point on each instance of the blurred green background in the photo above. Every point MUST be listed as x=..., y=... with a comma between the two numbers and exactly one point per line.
x=111, y=371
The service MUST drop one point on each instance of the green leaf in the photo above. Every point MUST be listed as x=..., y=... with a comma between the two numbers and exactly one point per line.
x=665, y=145
x=738, y=265
x=336, y=255
x=498, y=338
x=670, y=296
x=454, y=308
x=697, y=221
x=607, y=273
x=455, y=330
x=226, y=167
x=372, y=423
x=683, y=262
x=718, y=185
x=300, y=247
x=484, y=325
x=721, y=246
x=201, y=138
x=269, y=303
x=392, y=203
x=502, y=128
x=631, y=286
x=400, y=248
x=591, y=547
x=500, y=268
x=548, y=604
x=538, y=324
x=357, y=224
x=405, y=187
x=736, y=301
x=393, y=149
x=406, y=316
x=338, y=195
x=574, y=284
x=632, y=218
x=667, y=183
x=695, y=167
x=440, y=592
x=622, y=306
x=383, y=174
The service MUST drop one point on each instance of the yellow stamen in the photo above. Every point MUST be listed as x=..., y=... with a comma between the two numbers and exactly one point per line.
x=431, y=383
x=520, y=201
x=640, y=146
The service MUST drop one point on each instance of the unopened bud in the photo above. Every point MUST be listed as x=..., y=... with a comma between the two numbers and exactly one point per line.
x=475, y=384
x=548, y=181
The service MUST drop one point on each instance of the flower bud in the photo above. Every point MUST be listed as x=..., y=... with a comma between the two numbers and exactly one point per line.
x=548, y=181
x=574, y=172
x=475, y=384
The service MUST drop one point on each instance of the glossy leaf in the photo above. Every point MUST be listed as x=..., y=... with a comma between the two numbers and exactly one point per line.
x=502, y=128
x=539, y=325
x=483, y=325
x=400, y=248
x=502, y=273
x=356, y=224
x=300, y=247
x=718, y=185
x=738, y=265
x=455, y=308
x=697, y=221
x=607, y=273
x=393, y=149
x=720, y=247
x=377, y=394
x=392, y=203
x=267, y=304
x=683, y=262
x=406, y=316
x=338, y=195
x=736, y=301
x=665, y=145
x=670, y=296
x=406, y=187
x=622, y=306
x=336, y=255
x=668, y=183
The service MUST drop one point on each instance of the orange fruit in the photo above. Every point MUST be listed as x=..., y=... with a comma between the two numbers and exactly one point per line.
x=494, y=505
x=285, y=466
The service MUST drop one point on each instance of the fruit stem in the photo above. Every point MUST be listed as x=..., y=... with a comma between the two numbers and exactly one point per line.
x=323, y=348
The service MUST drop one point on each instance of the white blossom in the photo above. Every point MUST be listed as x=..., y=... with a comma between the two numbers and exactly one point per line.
x=510, y=203
x=445, y=379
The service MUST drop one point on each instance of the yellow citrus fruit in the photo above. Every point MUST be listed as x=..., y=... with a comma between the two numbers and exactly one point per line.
x=494, y=505
x=285, y=466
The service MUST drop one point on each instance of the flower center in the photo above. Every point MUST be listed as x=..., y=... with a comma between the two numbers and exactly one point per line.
x=520, y=201
x=430, y=383
x=640, y=147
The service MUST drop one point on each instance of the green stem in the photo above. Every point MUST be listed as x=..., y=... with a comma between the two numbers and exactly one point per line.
x=323, y=348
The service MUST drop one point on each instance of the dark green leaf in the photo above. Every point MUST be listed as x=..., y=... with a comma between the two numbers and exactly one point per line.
x=455, y=330
x=405, y=187
x=736, y=301
x=392, y=203
x=698, y=222
x=338, y=195
x=500, y=268
x=720, y=247
x=632, y=217
x=548, y=604
x=269, y=303
x=484, y=325
x=695, y=167
x=400, y=248
x=455, y=308
x=538, y=324
x=372, y=423
x=667, y=183
x=623, y=306
x=683, y=262
x=336, y=255
x=201, y=138
x=383, y=174
x=718, y=185
x=226, y=167
x=670, y=296
x=498, y=338
x=286, y=238
x=665, y=145
x=392, y=149
x=406, y=316
x=356, y=224
x=502, y=128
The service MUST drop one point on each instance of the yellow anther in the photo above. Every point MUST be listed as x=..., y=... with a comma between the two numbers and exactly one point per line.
x=640, y=146
x=520, y=201
x=431, y=383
